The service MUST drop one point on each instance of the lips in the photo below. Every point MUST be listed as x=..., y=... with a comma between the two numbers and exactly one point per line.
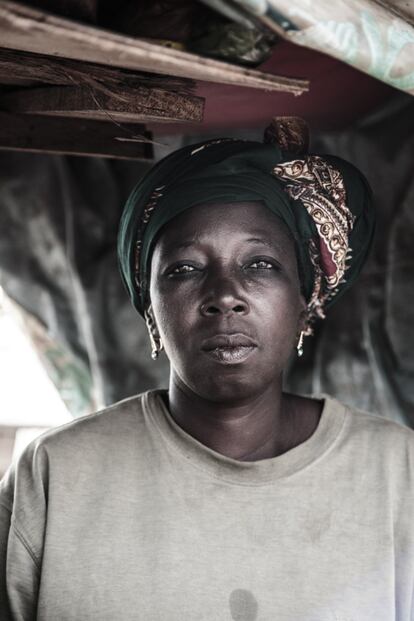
x=229, y=348
x=228, y=341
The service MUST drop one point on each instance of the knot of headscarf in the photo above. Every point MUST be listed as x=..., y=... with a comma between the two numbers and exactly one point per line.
x=325, y=202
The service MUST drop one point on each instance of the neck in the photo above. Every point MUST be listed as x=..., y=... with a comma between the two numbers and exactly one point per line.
x=259, y=427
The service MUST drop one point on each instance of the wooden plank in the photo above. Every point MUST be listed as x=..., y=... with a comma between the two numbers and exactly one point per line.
x=23, y=132
x=33, y=68
x=31, y=30
x=126, y=105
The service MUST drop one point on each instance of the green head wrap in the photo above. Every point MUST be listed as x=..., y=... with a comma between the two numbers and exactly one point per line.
x=324, y=201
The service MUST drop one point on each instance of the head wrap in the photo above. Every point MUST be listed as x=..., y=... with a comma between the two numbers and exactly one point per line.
x=324, y=201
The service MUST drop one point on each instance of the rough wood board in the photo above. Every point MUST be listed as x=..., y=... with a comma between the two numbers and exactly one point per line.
x=33, y=68
x=23, y=132
x=28, y=29
x=127, y=105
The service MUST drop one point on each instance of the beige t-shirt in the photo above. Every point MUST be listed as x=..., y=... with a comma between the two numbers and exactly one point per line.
x=122, y=516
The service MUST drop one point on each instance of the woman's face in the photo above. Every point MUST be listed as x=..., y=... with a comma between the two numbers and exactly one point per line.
x=226, y=299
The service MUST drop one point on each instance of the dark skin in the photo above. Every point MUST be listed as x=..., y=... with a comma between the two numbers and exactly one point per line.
x=226, y=301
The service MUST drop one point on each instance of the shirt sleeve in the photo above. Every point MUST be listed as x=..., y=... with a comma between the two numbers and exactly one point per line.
x=5, y=515
x=23, y=495
x=19, y=574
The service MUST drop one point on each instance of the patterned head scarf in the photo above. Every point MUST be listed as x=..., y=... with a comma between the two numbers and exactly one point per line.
x=325, y=202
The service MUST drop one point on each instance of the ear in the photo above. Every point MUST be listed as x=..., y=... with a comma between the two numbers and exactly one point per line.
x=156, y=342
x=150, y=321
x=303, y=320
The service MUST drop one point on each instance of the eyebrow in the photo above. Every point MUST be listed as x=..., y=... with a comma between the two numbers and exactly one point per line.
x=266, y=241
x=261, y=240
x=183, y=244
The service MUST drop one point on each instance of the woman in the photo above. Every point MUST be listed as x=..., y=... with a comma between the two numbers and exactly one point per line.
x=223, y=497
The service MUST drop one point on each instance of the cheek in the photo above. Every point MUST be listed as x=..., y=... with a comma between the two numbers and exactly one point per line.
x=171, y=317
x=279, y=314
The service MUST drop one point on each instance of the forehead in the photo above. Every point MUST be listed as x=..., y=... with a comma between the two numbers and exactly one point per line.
x=232, y=221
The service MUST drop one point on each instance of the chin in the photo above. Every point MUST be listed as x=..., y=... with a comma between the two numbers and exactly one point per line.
x=229, y=383
x=226, y=389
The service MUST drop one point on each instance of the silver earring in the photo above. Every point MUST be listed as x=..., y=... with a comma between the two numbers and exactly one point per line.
x=156, y=342
x=299, y=346
x=156, y=351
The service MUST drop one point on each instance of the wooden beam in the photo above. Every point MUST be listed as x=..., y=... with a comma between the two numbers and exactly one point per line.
x=31, y=30
x=126, y=105
x=23, y=132
x=34, y=68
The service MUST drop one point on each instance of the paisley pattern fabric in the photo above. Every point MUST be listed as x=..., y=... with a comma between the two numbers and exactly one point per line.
x=321, y=189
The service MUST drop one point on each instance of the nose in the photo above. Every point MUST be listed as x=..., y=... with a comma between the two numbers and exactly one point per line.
x=224, y=298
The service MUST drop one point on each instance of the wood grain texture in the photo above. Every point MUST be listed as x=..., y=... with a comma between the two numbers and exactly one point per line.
x=24, y=132
x=29, y=68
x=28, y=29
x=128, y=105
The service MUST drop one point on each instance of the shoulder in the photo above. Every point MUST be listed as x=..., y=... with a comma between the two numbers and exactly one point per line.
x=80, y=459
x=373, y=423
x=82, y=443
x=373, y=435
x=118, y=420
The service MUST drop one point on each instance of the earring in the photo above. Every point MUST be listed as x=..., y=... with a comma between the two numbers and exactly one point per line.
x=156, y=346
x=156, y=342
x=299, y=346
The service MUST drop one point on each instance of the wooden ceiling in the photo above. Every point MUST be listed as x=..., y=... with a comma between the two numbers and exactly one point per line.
x=71, y=87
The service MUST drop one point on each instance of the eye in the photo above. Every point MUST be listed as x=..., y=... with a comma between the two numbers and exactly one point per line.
x=181, y=269
x=261, y=264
